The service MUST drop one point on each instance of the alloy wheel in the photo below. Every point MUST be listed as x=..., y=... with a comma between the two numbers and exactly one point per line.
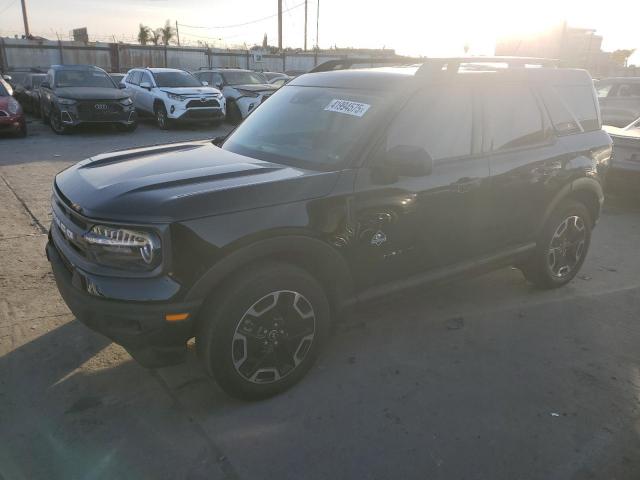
x=567, y=246
x=273, y=337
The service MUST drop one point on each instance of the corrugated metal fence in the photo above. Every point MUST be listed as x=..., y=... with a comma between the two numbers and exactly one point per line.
x=119, y=57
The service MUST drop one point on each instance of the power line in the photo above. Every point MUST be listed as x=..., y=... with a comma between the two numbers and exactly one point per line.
x=245, y=23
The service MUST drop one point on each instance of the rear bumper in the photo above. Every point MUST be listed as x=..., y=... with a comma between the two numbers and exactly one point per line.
x=140, y=327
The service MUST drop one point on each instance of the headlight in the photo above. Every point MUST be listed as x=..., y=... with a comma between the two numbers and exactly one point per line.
x=173, y=96
x=66, y=101
x=124, y=248
x=246, y=93
x=127, y=101
x=13, y=106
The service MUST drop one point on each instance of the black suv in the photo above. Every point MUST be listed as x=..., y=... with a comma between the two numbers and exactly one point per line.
x=343, y=187
x=78, y=94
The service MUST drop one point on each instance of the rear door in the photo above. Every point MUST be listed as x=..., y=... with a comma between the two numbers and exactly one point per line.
x=525, y=158
x=146, y=97
x=132, y=82
x=411, y=224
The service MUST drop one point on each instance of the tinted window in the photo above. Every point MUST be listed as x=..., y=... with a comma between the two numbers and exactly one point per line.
x=578, y=99
x=176, y=79
x=440, y=121
x=603, y=89
x=628, y=90
x=217, y=79
x=513, y=117
x=83, y=78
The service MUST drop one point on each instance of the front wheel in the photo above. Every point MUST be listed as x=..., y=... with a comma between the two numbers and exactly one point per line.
x=561, y=248
x=58, y=127
x=162, y=120
x=263, y=333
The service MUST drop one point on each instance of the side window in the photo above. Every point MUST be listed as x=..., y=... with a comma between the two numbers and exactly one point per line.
x=216, y=79
x=438, y=120
x=628, y=90
x=146, y=78
x=513, y=117
x=135, y=77
x=603, y=89
x=572, y=108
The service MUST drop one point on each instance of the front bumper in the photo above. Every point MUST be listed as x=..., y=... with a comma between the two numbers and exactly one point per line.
x=74, y=115
x=197, y=115
x=140, y=327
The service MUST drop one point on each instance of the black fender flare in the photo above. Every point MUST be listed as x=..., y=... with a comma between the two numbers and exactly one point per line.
x=587, y=189
x=319, y=258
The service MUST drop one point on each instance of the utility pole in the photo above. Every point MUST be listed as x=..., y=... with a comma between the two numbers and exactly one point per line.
x=318, y=25
x=280, y=25
x=305, y=25
x=25, y=19
x=177, y=33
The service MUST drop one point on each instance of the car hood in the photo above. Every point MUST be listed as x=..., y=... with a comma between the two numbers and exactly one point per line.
x=261, y=87
x=167, y=183
x=191, y=90
x=91, y=93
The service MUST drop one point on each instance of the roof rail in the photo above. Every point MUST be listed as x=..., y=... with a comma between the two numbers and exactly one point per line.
x=347, y=63
x=452, y=65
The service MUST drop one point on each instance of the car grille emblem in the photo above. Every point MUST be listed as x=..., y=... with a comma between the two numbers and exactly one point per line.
x=378, y=239
x=101, y=106
x=203, y=99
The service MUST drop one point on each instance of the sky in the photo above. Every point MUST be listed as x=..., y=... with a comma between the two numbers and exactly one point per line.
x=410, y=27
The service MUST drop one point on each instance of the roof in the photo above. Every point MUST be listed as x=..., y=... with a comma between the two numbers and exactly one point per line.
x=620, y=80
x=75, y=67
x=160, y=70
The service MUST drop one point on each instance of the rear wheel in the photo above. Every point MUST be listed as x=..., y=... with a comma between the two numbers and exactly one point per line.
x=263, y=333
x=561, y=248
x=162, y=120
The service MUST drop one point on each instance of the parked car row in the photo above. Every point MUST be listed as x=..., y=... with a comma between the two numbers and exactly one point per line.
x=70, y=95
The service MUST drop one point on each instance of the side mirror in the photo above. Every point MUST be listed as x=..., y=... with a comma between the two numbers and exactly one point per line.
x=145, y=85
x=219, y=85
x=408, y=161
x=205, y=83
x=218, y=141
x=122, y=86
x=45, y=85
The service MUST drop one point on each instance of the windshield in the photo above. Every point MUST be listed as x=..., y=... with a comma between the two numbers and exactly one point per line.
x=176, y=79
x=310, y=127
x=243, y=78
x=83, y=78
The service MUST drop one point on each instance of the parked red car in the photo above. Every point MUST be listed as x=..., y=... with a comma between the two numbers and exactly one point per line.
x=11, y=114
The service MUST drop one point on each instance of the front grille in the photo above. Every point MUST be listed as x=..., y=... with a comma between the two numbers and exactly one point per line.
x=209, y=103
x=98, y=110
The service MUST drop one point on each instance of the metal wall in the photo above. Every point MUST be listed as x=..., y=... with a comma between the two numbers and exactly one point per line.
x=113, y=57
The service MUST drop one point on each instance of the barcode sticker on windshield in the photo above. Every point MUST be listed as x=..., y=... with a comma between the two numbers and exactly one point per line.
x=345, y=106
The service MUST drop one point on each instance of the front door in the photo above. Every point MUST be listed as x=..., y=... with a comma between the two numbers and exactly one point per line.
x=411, y=224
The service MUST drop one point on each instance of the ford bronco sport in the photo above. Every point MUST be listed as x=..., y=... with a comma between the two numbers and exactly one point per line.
x=343, y=187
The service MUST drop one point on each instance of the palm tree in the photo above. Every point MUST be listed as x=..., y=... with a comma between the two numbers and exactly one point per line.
x=167, y=32
x=144, y=34
x=154, y=36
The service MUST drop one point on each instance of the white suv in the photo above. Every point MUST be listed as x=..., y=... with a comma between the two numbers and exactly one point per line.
x=172, y=95
x=243, y=89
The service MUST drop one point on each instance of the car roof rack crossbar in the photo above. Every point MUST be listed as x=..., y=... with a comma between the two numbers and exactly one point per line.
x=347, y=63
x=452, y=65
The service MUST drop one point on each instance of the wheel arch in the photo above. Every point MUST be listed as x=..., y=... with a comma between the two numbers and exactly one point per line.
x=314, y=256
x=587, y=191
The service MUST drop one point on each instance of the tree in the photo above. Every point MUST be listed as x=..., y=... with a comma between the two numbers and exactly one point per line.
x=144, y=34
x=167, y=32
x=265, y=44
x=621, y=57
x=155, y=36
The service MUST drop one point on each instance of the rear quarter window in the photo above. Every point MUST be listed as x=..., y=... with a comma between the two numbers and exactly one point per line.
x=572, y=108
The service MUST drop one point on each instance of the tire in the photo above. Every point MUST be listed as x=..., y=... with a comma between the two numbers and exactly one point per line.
x=233, y=113
x=162, y=120
x=561, y=247
x=249, y=354
x=55, y=122
x=22, y=133
x=127, y=128
x=43, y=116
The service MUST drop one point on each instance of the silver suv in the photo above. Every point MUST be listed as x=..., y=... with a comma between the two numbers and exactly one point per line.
x=172, y=95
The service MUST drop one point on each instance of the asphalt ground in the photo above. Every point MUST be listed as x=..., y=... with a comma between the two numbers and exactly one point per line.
x=486, y=378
